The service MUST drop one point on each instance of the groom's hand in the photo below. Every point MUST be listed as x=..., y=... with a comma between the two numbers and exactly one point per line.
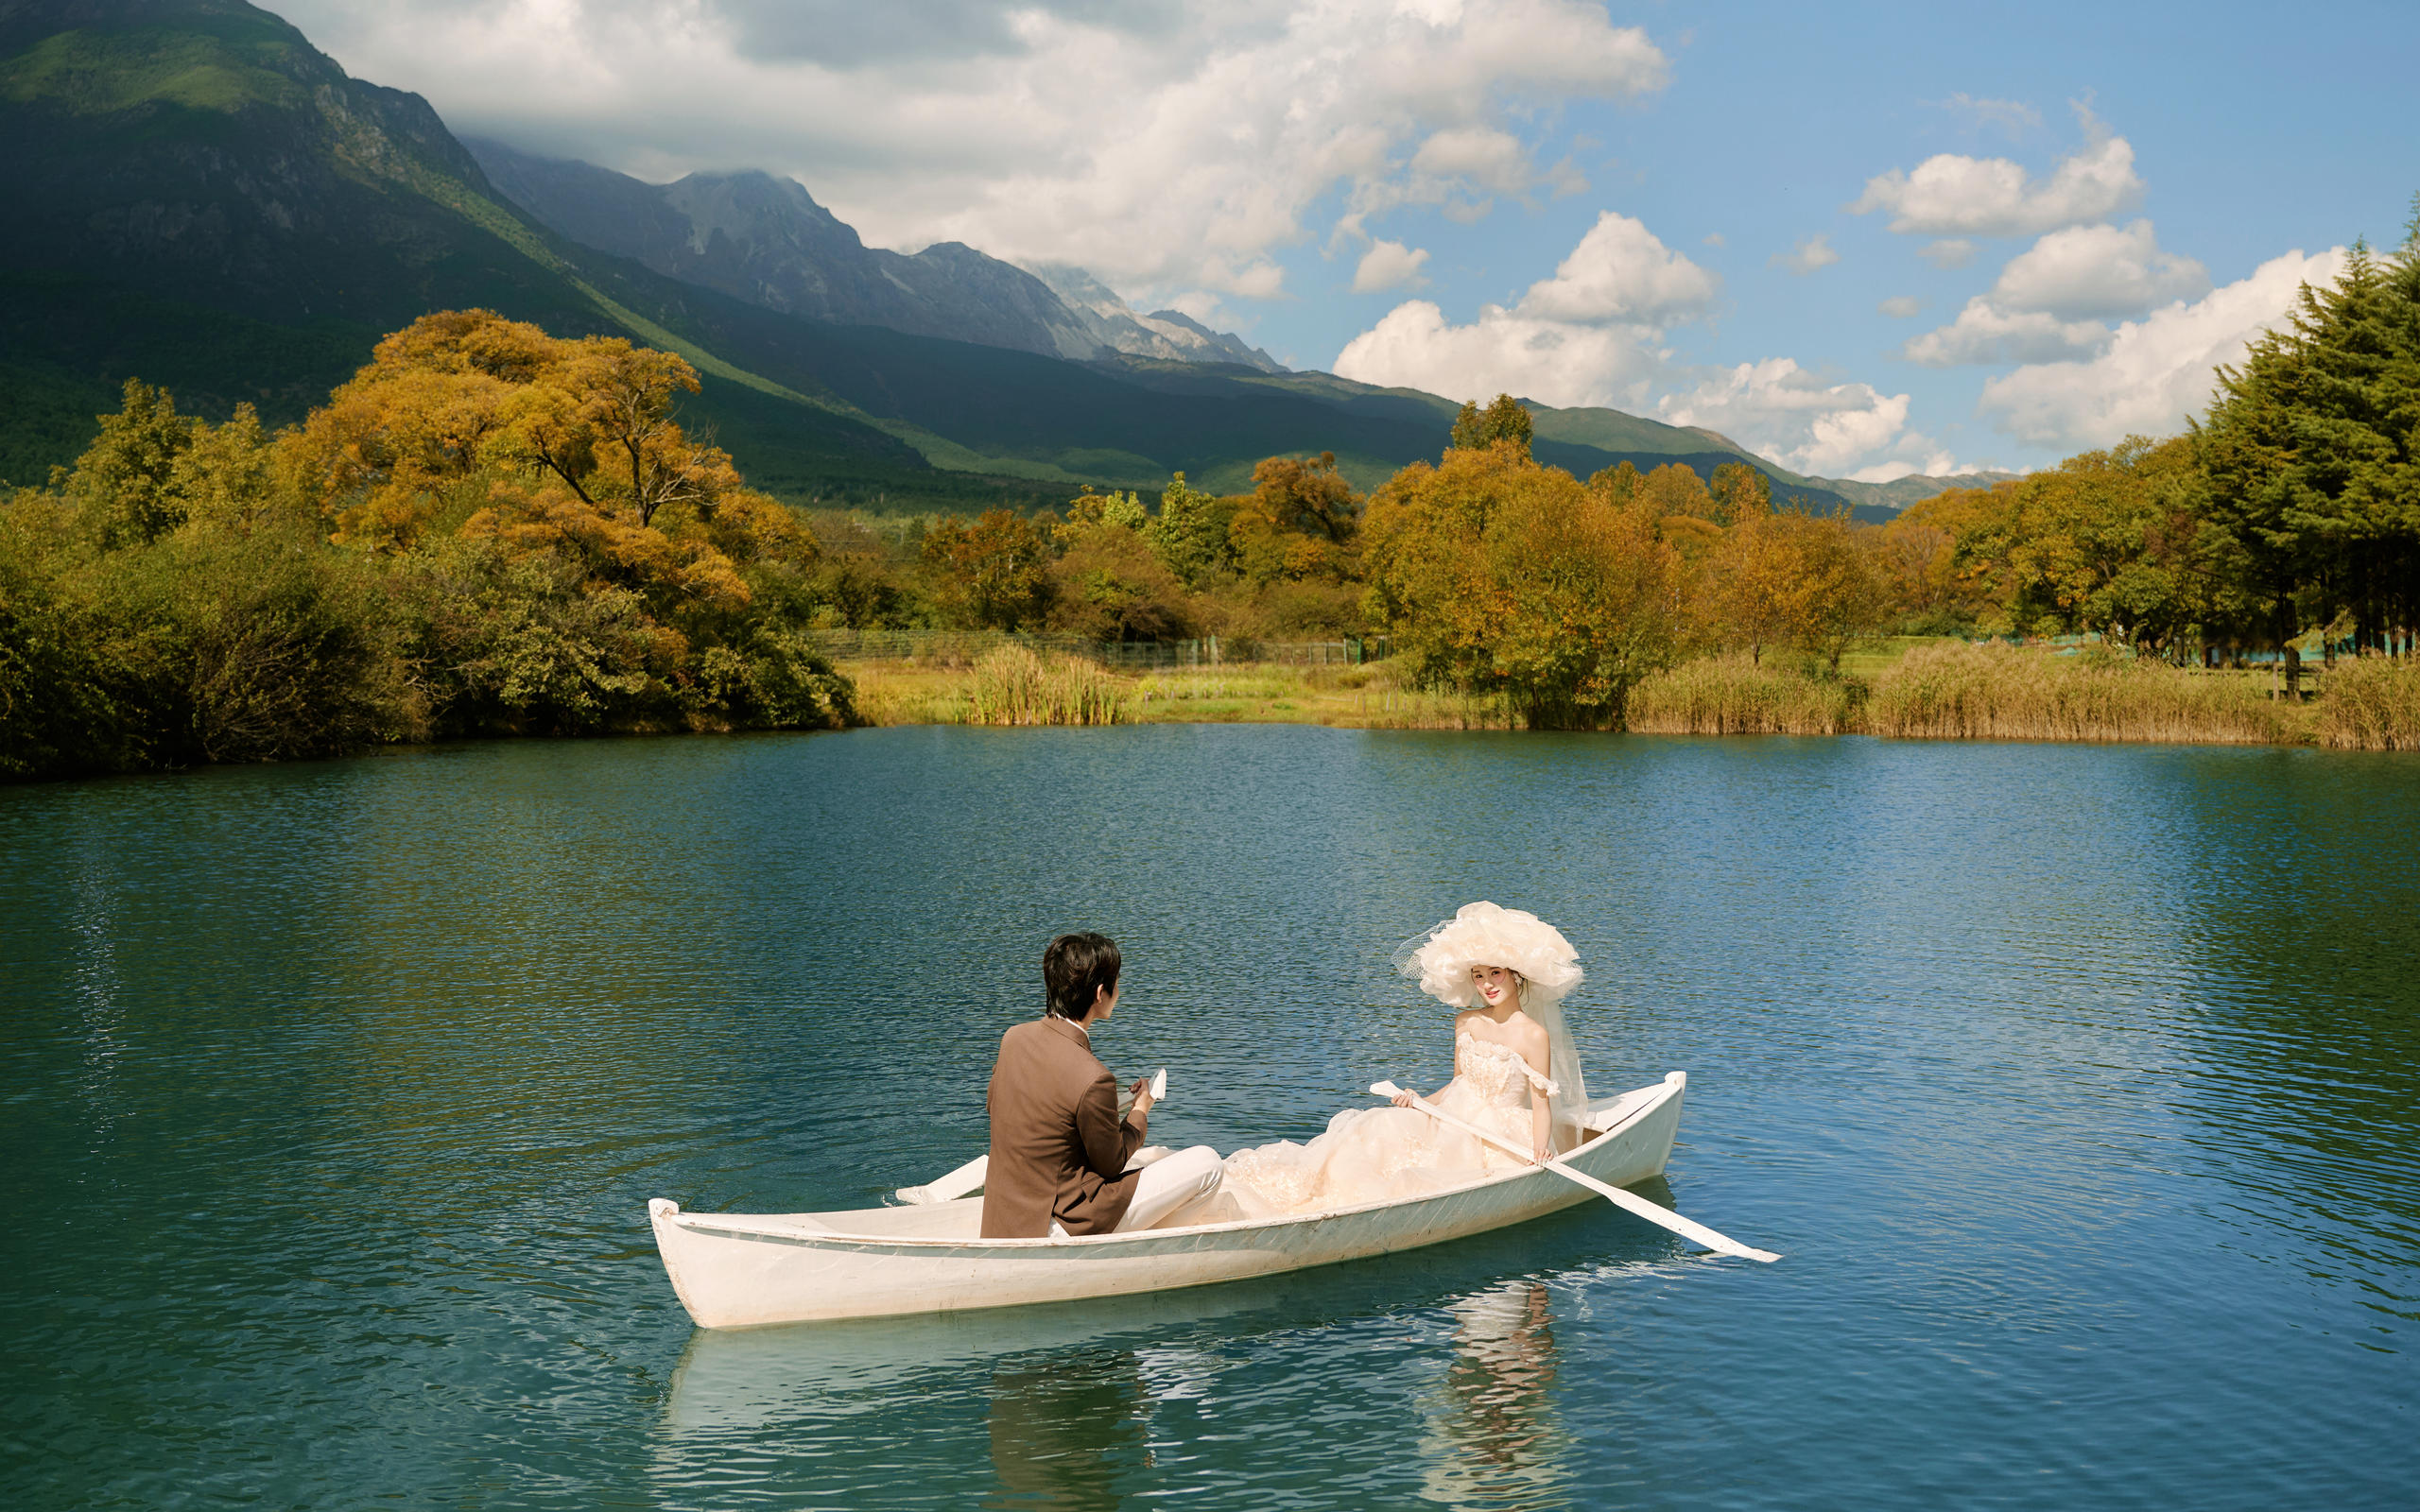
x=1143, y=1098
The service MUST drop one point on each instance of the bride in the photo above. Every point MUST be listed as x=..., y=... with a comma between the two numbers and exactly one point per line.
x=1515, y=1075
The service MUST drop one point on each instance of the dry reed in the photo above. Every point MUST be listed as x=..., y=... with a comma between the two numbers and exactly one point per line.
x=2372, y=704
x=1962, y=691
x=1733, y=695
x=1012, y=686
x=891, y=693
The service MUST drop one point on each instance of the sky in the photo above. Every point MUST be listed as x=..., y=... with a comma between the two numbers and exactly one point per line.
x=1864, y=240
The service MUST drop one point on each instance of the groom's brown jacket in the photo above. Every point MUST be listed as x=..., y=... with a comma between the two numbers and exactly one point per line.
x=1058, y=1148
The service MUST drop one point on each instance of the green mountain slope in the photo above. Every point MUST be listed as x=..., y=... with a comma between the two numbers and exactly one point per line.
x=203, y=200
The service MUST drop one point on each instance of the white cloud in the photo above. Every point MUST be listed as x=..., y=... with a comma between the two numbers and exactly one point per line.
x=1809, y=254
x=1228, y=126
x=2097, y=272
x=1985, y=333
x=1588, y=335
x=1620, y=271
x=2049, y=301
x=1955, y=251
x=1949, y=195
x=2156, y=371
x=1388, y=265
x=1714, y=238
x=1555, y=362
x=1779, y=409
x=1899, y=306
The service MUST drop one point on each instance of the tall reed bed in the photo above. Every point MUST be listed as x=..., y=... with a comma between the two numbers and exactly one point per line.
x=2372, y=704
x=1733, y=695
x=2003, y=692
x=1012, y=686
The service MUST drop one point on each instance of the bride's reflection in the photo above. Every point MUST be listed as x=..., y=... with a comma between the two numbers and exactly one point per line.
x=1497, y=1443
x=1065, y=1429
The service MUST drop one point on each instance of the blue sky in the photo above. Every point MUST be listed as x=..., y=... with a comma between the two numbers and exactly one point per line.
x=2125, y=184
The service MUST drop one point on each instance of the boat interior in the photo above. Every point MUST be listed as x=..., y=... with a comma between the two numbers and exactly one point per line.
x=963, y=1219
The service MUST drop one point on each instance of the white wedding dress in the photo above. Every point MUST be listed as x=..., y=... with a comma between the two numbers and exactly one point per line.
x=1387, y=1154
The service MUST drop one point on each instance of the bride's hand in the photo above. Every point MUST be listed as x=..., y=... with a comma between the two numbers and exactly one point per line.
x=1403, y=1099
x=1540, y=1155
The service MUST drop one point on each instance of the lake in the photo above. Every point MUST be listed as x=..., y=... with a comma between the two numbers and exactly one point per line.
x=2076, y=1084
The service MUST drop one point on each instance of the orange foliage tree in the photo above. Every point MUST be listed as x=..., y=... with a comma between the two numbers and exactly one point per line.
x=1498, y=575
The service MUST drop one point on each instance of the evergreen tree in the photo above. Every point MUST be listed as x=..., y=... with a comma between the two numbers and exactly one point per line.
x=2309, y=448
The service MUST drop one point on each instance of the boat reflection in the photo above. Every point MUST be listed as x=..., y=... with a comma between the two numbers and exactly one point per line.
x=1495, y=1440
x=1065, y=1428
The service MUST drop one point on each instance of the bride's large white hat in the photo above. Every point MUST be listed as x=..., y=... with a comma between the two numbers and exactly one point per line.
x=1484, y=935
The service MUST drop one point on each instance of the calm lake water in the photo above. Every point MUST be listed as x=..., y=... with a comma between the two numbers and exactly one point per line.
x=2079, y=1086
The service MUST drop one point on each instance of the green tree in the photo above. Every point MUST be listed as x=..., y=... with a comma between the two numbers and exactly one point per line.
x=1190, y=536
x=2309, y=448
x=124, y=486
x=1505, y=419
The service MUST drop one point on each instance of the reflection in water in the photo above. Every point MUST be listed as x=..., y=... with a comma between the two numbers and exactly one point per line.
x=1064, y=1428
x=2070, y=1080
x=1496, y=1442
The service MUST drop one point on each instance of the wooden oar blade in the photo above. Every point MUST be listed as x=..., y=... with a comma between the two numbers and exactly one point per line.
x=1628, y=1201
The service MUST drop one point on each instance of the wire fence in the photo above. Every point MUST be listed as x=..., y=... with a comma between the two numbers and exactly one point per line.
x=958, y=649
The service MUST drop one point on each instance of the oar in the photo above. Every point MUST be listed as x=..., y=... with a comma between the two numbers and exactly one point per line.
x=968, y=1178
x=1629, y=1201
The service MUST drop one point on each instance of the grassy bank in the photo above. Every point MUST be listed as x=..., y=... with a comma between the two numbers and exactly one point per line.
x=1943, y=691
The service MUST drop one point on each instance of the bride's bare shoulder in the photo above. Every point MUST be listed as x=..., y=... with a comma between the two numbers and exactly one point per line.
x=1529, y=1035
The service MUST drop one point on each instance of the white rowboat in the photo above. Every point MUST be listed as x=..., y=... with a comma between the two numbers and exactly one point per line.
x=750, y=1270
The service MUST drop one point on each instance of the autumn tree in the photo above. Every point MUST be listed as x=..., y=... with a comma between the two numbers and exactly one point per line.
x=1675, y=490
x=1107, y=582
x=1790, y=578
x=992, y=573
x=1738, y=492
x=1299, y=523
x=1495, y=575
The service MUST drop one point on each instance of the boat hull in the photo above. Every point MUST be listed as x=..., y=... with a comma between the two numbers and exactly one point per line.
x=751, y=1271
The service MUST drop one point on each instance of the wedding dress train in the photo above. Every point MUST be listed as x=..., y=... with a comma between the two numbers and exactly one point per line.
x=1387, y=1154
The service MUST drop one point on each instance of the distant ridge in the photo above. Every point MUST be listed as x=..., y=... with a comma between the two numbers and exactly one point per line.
x=765, y=240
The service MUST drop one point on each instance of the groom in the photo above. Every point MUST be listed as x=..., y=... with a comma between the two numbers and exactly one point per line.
x=1060, y=1152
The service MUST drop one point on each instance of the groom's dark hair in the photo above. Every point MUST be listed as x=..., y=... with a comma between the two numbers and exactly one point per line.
x=1077, y=969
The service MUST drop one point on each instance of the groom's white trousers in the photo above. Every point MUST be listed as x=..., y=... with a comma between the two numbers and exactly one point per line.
x=1168, y=1185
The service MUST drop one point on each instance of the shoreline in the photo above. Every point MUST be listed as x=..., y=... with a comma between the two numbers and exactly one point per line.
x=1948, y=690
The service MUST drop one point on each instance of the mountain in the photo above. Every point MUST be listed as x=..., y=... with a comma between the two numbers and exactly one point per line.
x=201, y=198
x=1891, y=497
x=765, y=240
x=1164, y=333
